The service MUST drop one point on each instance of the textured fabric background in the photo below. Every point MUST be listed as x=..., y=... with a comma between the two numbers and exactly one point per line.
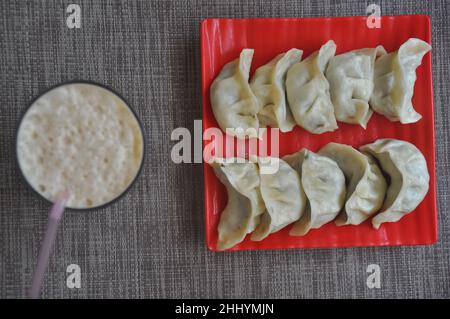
x=151, y=243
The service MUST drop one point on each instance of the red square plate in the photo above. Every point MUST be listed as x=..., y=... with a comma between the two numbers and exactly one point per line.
x=223, y=39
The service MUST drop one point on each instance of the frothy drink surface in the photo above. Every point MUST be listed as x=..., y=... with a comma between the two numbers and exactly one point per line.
x=83, y=138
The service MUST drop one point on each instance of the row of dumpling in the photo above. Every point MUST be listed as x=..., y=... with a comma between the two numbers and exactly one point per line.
x=310, y=190
x=319, y=90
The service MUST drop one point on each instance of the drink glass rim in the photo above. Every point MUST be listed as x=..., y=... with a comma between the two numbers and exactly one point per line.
x=141, y=128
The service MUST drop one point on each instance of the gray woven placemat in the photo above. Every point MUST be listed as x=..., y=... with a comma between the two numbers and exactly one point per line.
x=151, y=243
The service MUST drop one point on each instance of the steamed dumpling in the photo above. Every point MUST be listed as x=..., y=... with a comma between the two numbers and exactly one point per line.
x=351, y=84
x=324, y=186
x=268, y=84
x=408, y=172
x=308, y=91
x=245, y=204
x=283, y=196
x=395, y=75
x=366, y=186
x=232, y=101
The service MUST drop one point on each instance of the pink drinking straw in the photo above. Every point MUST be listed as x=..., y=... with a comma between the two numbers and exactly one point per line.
x=44, y=255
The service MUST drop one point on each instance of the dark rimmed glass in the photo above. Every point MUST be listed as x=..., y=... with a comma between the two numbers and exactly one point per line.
x=141, y=127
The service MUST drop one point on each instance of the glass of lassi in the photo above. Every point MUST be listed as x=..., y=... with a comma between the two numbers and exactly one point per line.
x=81, y=137
x=80, y=146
